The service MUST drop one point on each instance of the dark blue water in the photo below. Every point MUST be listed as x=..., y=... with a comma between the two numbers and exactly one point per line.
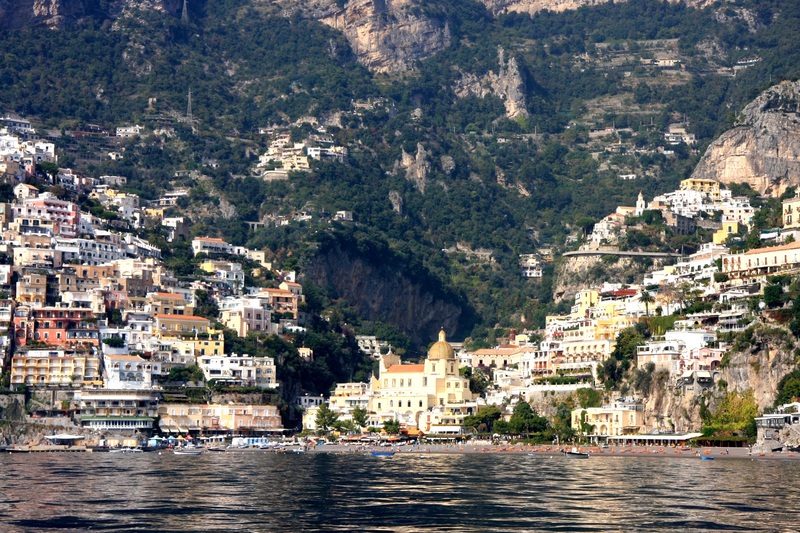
x=327, y=492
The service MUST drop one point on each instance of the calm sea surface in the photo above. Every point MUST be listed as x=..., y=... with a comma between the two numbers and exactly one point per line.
x=327, y=492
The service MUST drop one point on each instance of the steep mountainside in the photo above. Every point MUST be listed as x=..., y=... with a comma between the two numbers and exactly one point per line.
x=764, y=148
x=575, y=273
x=380, y=291
x=51, y=13
x=535, y=6
x=756, y=366
x=490, y=145
x=58, y=13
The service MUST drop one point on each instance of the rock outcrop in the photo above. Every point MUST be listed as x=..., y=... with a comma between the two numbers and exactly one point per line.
x=417, y=167
x=534, y=6
x=575, y=273
x=385, y=35
x=389, y=35
x=507, y=84
x=49, y=13
x=764, y=149
x=382, y=292
x=55, y=14
x=757, y=367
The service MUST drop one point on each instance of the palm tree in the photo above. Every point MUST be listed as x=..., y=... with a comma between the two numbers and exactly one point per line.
x=646, y=298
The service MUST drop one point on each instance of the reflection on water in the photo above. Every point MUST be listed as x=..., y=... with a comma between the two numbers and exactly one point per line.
x=326, y=492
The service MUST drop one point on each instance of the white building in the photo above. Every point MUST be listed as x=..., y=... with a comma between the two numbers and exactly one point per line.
x=125, y=372
x=242, y=370
x=210, y=246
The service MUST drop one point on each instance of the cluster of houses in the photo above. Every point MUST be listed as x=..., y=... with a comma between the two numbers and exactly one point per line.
x=430, y=397
x=284, y=155
x=20, y=150
x=89, y=312
x=695, y=204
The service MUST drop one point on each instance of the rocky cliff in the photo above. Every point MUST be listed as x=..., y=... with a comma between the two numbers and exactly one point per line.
x=764, y=148
x=575, y=273
x=389, y=35
x=385, y=35
x=58, y=13
x=757, y=365
x=382, y=292
x=534, y=6
x=507, y=84
x=49, y=13
x=417, y=167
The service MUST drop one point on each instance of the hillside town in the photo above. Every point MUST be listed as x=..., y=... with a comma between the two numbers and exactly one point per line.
x=96, y=324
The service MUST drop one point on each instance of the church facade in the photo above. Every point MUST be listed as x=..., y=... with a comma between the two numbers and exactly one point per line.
x=430, y=396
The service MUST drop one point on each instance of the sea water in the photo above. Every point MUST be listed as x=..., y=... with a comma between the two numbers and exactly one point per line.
x=267, y=491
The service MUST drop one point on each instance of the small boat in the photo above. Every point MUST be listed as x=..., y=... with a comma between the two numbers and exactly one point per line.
x=575, y=454
x=706, y=458
x=125, y=450
x=382, y=454
x=216, y=449
x=187, y=451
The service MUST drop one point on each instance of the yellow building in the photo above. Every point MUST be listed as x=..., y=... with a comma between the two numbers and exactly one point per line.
x=55, y=368
x=501, y=357
x=211, y=344
x=613, y=420
x=409, y=393
x=710, y=188
x=237, y=418
x=729, y=227
x=177, y=325
x=168, y=303
x=578, y=342
x=791, y=212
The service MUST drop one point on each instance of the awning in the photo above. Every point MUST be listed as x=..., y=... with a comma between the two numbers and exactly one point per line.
x=703, y=374
x=687, y=374
x=64, y=436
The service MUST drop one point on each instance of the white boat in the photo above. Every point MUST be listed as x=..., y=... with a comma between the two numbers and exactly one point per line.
x=126, y=450
x=574, y=453
x=187, y=451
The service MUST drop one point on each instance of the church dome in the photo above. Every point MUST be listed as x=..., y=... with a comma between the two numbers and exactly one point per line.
x=441, y=349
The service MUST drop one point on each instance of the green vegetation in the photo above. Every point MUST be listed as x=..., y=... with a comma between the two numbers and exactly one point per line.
x=185, y=373
x=484, y=420
x=788, y=388
x=326, y=419
x=392, y=427
x=249, y=68
x=623, y=357
x=735, y=415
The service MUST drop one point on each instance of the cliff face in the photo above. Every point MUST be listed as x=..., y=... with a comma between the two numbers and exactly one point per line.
x=506, y=84
x=49, y=13
x=417, y=167
x=383, y=293
x=385, y=35
x=389, y=35
x=758, y=367
x=761, y=366
x=534, y=6
x=764, y=150
x=54, y=14
x=576, y=273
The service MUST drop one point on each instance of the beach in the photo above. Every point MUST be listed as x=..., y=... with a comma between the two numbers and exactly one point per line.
x=551, y=450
